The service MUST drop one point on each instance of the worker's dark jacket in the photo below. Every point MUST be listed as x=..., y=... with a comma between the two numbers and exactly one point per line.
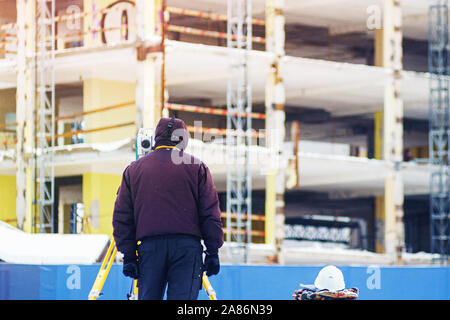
x=167, y=192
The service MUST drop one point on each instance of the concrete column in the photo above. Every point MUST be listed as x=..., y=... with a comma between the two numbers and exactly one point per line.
x=149, y=97
x=24, y=112
x=275, y=124
x=270, y=207
x=391, y=240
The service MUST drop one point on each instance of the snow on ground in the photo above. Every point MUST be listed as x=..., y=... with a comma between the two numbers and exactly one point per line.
x=319, y=253
x=17, y=246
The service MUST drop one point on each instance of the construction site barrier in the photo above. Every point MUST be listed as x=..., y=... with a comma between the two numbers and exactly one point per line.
x=84, y=131
x=174, y=10
x=82, y=33
x=168, y=27
x=78, y=115
x=224, y=132
x=207, y=15
x=4, y=43
x=206, y=110
x=8, y=26
x=234, y=282
x=84, y=113
x=254, y=233
x=254, y=217
x=170, y=106
x=8, y=51
x=208, y=33
x=75, y=116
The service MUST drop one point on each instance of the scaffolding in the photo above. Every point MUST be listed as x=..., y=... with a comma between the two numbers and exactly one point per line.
x=239, y=129
x=439, y=136
x=44, y=130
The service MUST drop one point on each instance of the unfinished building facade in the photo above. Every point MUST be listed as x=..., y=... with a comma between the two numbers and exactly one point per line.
x=336, y=111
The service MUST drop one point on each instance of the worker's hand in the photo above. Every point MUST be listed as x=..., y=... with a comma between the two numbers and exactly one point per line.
x=130, y=266
x=212, y=264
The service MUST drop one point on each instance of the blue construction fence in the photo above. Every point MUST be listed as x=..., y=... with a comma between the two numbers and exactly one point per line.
x=234, y=282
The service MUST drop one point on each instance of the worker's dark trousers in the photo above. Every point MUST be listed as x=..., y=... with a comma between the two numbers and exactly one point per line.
x=175, y=261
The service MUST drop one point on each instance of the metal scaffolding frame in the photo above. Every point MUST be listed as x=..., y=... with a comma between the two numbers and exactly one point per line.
x=439, y=135
x=239, y=129
x=44, y=124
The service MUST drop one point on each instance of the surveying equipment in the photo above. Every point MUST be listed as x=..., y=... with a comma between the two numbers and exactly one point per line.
x=145, y=143
x=110, y=255
x=208, y=288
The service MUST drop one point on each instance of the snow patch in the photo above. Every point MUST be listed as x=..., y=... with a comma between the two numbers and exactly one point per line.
x=17, y=246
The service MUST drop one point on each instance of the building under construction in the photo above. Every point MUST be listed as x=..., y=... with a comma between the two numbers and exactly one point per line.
x=324, y=123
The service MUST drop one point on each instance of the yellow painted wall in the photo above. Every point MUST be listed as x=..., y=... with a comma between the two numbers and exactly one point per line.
x=8, y=199
x=99, y=93
x=99, y=195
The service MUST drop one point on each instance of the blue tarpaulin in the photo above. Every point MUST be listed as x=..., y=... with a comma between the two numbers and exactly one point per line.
x=234, y=282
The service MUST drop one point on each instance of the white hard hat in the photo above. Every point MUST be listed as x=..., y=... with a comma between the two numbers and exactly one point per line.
x=330, y=278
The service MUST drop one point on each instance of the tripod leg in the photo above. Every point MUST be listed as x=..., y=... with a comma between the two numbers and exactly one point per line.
x=95, y=292
x=208, y=288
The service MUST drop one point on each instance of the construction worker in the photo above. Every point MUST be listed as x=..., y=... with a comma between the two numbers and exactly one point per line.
x=167, y=201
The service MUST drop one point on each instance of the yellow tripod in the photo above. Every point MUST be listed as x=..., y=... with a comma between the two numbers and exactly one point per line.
x=96, y=290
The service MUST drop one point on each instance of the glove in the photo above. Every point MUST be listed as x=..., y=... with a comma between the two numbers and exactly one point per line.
x=130, y=266
x=212, y=264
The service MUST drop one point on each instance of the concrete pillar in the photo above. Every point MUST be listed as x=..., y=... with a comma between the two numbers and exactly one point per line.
x=275, y=124
x=24, y=112
x=149, y=96
x=270, y=208
x=389, y=54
